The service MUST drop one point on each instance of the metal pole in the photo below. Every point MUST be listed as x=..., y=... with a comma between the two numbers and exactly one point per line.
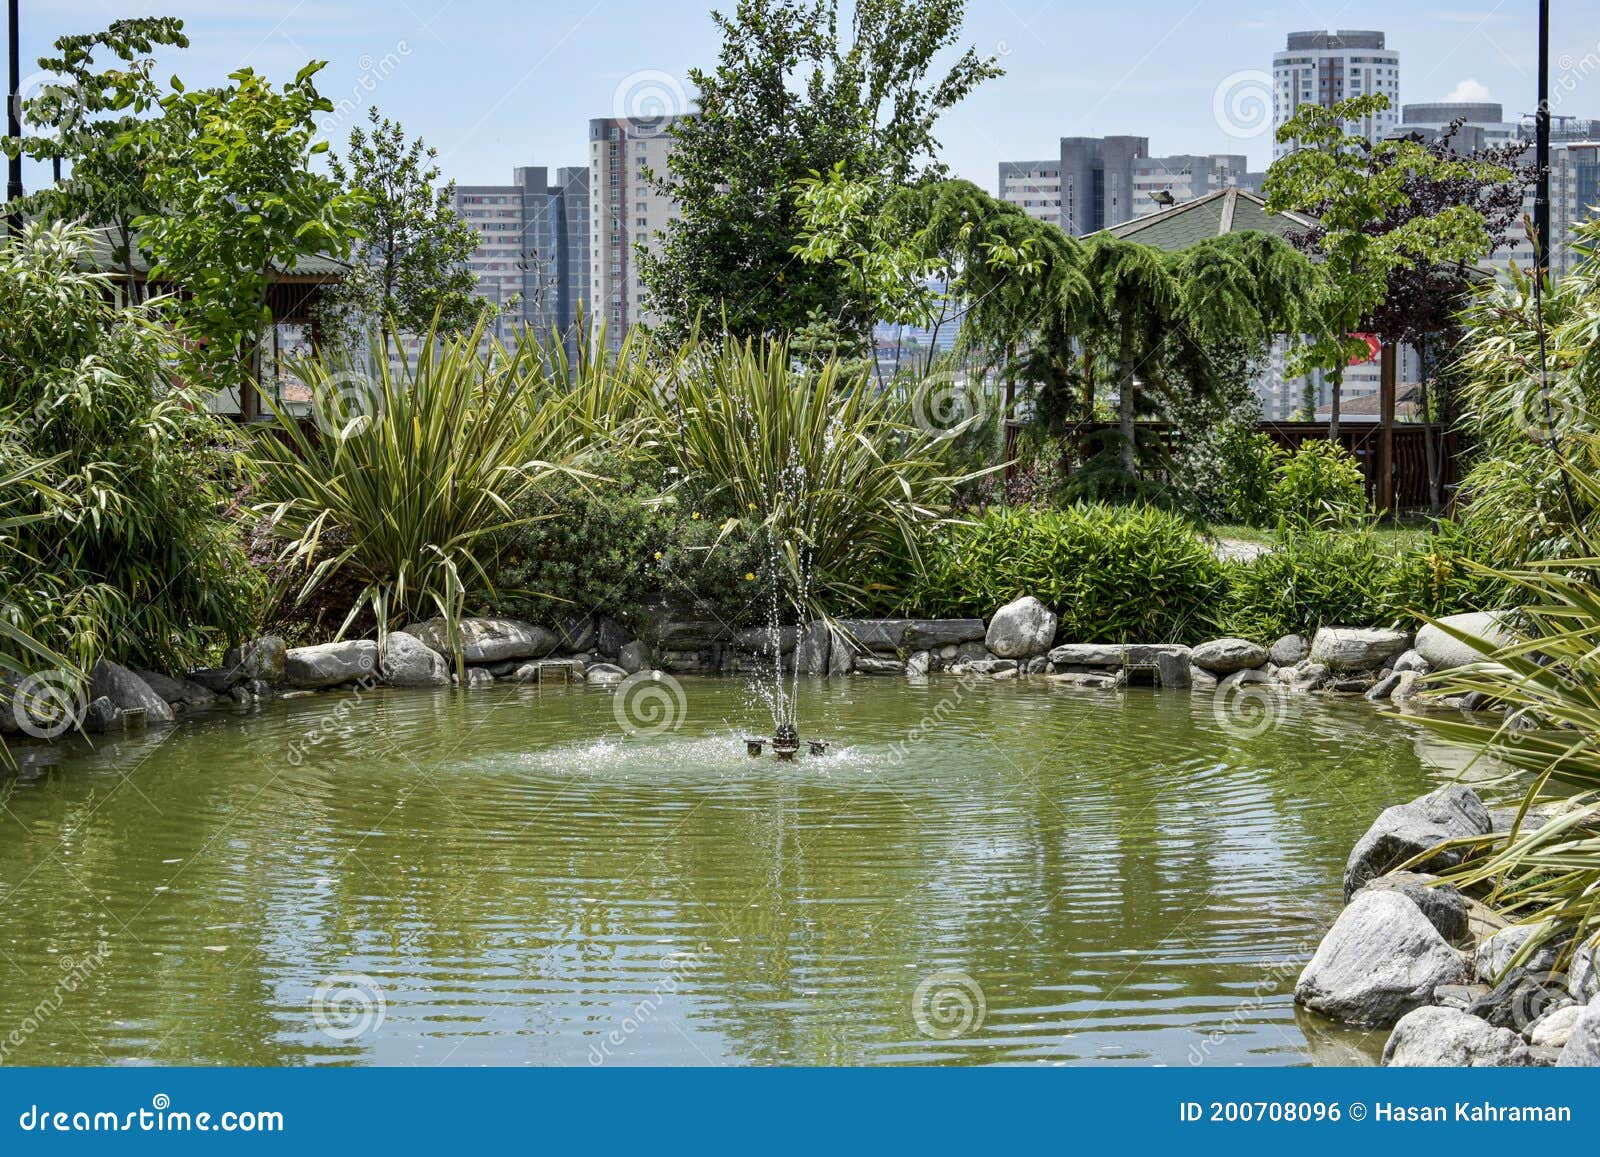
x=14, y=118
x=1541, y=203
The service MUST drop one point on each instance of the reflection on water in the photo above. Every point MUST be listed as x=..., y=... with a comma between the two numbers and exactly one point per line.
x=1117, y=879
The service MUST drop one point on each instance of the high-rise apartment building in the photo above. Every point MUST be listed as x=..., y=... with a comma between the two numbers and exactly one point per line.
x=626, y=209
x=1097, y=181
x=1327, y=67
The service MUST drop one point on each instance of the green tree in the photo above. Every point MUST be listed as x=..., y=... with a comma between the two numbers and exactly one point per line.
x=790, y=99
x=1359, y=190
x=412, y=248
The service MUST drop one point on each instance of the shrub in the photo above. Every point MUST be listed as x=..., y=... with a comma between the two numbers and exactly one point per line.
x=1320, y=485
x=1113, y=575
x=1229, y=477
x=1310, y=579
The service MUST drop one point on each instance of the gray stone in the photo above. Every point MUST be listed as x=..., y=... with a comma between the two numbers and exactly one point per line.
x=1449, y=1038
x=1583, y=1042
x=1411, y=661
x=1411, y=829
x=994, y=667
x=1088, y=682
x=1383, y=688
x=1521, y=999
x=670, y=633
x=1201, y=680
x=100, y=716
x=1443, y=904
x=1445, y=653
x=1459, y=996
x=1344, y=651
x=1105, y=655
x=1037, y=665
x=217, y=680
x=1172, y=671
x=556, y=671
x=878, y=665
x=1407, y=689
x=971, y=652
x=259, y=659
x=1381, y=959
x=634, y=657
x=331, y=665
x=115, y=682
x=905, y=636
x=1554, y=1029
x=1497, y=952
x=1349, y=685
x=841, y=659
x=1290, y=651
x=1226, y=656
x=1309, y=676
x=488, y=640
x=409, y=662
x=611, y=636
x=1250, y=677
x=604, y=674
x=1583, y=975
x=183, y=695
x=919, y=665
x=814, y=650
x=1021, y=630
x=758, y=640
x=478, y=677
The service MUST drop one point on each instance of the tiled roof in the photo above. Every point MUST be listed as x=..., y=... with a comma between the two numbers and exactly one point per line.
x=102, y=259
x=1216, y=214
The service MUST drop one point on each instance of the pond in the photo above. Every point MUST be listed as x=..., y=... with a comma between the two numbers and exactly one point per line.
x=1004, y=873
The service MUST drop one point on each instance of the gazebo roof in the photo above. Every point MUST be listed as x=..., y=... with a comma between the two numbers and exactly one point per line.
x=1214, y=215
x=314, y=270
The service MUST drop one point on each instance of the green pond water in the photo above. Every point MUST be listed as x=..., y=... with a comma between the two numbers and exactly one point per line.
x=1010, y=873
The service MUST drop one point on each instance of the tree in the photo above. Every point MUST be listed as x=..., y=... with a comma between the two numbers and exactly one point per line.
x=412, y=248
x=789, y=100
x=90, y=124
x=1361, y=191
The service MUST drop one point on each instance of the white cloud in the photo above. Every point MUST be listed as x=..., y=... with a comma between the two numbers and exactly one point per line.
x=1468, y=90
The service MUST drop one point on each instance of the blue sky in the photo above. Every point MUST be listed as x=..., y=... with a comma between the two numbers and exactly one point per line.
x=494, y=85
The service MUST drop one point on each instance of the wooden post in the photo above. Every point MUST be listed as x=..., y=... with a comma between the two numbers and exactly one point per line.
x=1386, y=391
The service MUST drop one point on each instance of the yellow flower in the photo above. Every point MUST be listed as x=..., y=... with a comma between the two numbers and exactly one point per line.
x=658, y=556
x=749, y=578
x=695, y=516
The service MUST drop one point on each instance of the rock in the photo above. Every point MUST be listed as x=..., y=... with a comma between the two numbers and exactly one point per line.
x=1583, y=1042
x=1202, y=680
x=1226, y=656
x=1173, y=670
x=1459, y=996
x=1449, y=1038
x=259, y=659
x=1496, y=953
x=556, y=671
x=1521, y=999
x=905, y=636
x=758, y=640
x=841, y=659
x=1381, y=959
x=1408, y=830
x=115, y=682
x=604, y=674
x=1290, y=651
x=878, y=665
x=488, y=640
x=252, y=691
x=1554, y=1029
x=1088, y=682
x=611, y=636
x=1346, y=651
x=477, y=678
x=1583, y=976
x=993, y=667
x=634, y=657
x=1444, y=653
x=1038, y=665
x=814, y=650
x=1308, y=677
x=217, y=680
x=1443, y=904
x=972, y=652
x=331, y=665
x=1090, y=655
x=1349, y=685
x=1021, y=630
x=1383, y=689
x=101, y=716
x=409, y=662
x=1250, y=677
x=1407, y=689
x=183, y=695
x=1411, y=661
x=919, y=665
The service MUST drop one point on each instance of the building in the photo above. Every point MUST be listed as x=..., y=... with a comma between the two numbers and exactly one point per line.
x=1327, y=67
x=1101, y=182
x=625, y=209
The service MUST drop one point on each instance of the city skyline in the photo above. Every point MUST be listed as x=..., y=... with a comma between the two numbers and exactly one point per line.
x=492, y=97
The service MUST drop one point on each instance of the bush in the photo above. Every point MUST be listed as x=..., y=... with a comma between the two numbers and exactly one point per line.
x=1320, y=485
x=1313, y=579
x=1113, y=575
x=1230, y=478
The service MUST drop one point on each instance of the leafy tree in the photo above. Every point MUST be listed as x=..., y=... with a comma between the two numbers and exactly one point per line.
x=413, y=248
x=90, y=124
x=1362, y=192
x=789, y=100
x=231, y=172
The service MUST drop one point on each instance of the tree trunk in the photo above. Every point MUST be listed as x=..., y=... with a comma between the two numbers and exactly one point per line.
x=1432, y=450
x=1336, y=396
x=1130, y=460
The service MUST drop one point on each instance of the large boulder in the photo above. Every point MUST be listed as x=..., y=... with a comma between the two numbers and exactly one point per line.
x=489, y=640
x=1410, y=829
x=1583, y=1043
x=257, y=661
x=1380, y=960
x=1443, y=904
x=127, y=691
x=634, y=657
x=182, y=695
x=811, y=657
x=1554, y=1029
x=1583, y=976
x=1446, y=653
x=1228, y=656
x=1450, y=1038
x=611, y=636
x=1348, y=651
x=1290, y=651
x=1496, y=953
x=896, y=636
x=1024, y=629
x=331, y=665
x=409, y=662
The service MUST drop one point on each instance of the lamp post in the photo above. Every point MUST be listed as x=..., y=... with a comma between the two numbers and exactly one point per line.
x=13, y=118
x=1541, y=201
